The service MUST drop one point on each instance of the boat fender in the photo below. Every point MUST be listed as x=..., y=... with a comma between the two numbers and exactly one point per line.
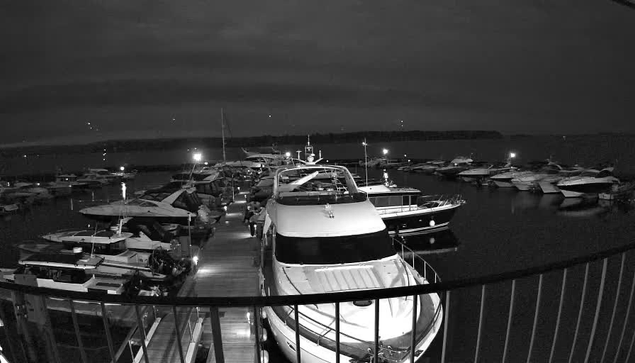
x=264, y=355
x=432, y=223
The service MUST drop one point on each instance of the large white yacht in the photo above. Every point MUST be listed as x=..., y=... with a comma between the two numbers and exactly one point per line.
x=322, y=235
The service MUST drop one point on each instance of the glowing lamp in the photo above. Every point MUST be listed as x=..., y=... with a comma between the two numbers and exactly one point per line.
x=512, y=155
x=287, y=154
x=385, y=151
x=122, y=168
x=197, y=157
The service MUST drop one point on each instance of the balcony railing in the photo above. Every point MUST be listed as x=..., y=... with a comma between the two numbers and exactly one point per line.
x=578, y=310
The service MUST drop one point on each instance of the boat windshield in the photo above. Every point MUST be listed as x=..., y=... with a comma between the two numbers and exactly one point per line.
x=333, y=250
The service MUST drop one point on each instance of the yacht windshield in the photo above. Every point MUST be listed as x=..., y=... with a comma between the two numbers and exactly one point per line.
x=333, y=250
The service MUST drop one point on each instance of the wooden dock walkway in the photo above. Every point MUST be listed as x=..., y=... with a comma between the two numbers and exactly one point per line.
x=226, y=267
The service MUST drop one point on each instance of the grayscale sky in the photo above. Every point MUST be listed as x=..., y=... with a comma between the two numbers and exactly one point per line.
x=159, y=68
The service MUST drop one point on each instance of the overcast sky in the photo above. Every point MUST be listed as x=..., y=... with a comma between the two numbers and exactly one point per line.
x=151, y=68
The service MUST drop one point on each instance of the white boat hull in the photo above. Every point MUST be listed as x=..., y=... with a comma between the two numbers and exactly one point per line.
x=523, y=186
x=503, y=184
x=571, y=193
x=312, y=353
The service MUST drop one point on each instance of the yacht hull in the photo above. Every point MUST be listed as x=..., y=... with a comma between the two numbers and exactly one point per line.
x=503, y=183
x=284, y=333
x=418, y=221
x=578, y=190
x=523, y=186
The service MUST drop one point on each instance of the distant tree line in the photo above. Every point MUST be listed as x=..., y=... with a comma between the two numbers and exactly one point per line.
x=252, y=141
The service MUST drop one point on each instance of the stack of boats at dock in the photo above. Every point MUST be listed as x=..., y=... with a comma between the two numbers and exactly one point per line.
x=20, y=195
x=150, y=242
x=544, y=176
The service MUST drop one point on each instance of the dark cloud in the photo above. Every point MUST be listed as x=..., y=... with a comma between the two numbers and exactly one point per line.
x=516, y=66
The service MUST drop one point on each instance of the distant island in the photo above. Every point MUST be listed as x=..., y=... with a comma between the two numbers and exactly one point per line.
x=253, y=141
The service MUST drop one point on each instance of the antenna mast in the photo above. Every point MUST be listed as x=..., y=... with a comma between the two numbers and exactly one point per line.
x=222, y=124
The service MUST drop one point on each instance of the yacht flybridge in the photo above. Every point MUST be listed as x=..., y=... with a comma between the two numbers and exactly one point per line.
x=323, y=235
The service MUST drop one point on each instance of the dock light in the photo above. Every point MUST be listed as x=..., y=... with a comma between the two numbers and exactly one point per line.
x=385, y=151
x=197, y=157
x=206, y=163
x=287, y=154
x=195, y=260
x=122, y=168
x=512, y=155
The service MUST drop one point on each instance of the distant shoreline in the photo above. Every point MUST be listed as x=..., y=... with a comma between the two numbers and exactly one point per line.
x=252, y=141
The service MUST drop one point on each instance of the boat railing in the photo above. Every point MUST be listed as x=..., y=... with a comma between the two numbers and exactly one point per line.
x=416, y=261
x=574, y=310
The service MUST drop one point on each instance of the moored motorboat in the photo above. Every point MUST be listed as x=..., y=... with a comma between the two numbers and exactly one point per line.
x=179, y=206
x=484, y=172
x=504, y=180
x=457, y=165
x=119, y=259
x=324, y=236
x=589, y=182
x=70, y=272
x=407, y=210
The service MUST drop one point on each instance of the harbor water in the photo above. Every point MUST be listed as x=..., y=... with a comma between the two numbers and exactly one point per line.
x=497, y=230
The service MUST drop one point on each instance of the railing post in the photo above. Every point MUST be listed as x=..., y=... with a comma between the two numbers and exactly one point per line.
x=376, y=335
x=628, y=314
x=78, y=333
x=509, y=320
x=597, y=310
x=104, y=318
x=48, y=330
x=533, y=329
x=297, y=333
x=177, y=330
x=480, y=324
x=337, y=332
x=445, y=325
x=413, y=333
x=555, y=333
x=143, y=337
x=617, y=298
x=216, y=335
x=257, y=315
x=577, y=326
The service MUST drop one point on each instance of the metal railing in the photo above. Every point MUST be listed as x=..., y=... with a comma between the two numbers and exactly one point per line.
x=578, y=310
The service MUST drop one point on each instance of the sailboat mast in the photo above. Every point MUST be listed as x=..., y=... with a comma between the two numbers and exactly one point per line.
x=222, y=124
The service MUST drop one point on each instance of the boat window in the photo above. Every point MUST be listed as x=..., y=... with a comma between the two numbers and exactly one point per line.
x=333, y=250
x=379, y=201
